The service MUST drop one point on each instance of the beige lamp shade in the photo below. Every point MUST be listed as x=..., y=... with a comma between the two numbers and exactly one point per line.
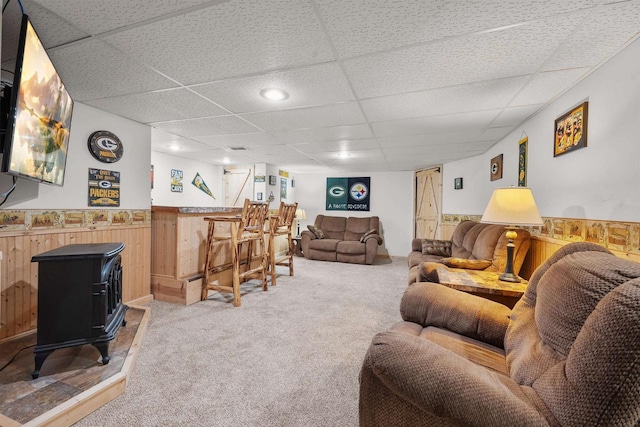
x=512, y=206
x=301, y=214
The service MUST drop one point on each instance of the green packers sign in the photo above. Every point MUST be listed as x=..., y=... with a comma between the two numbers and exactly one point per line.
x=348, y=194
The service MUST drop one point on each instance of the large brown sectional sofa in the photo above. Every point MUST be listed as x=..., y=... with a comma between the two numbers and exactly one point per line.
x=484, y=246
x=566, y=355
x=353, y=240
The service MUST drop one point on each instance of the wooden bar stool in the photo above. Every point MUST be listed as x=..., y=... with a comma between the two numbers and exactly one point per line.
x=245, y=228
x=280, y=225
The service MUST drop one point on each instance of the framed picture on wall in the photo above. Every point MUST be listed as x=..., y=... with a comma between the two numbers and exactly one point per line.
x=283, y=188
x=496, y=168
x=272, y=180
x=522, y=162
x=571, y=130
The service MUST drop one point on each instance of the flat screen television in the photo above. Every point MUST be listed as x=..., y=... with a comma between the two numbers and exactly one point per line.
x=39, y=115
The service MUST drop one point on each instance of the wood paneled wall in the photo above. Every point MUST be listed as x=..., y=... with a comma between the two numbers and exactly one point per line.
x=19, y=276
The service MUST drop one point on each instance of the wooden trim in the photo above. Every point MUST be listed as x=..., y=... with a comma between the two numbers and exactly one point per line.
x=140, y=302
x=134, y=350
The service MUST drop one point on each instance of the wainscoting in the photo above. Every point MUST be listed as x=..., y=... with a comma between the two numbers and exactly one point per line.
x=621, y=238
x=27, y=233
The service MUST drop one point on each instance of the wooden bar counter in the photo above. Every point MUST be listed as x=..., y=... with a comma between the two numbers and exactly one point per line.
x=178, y=240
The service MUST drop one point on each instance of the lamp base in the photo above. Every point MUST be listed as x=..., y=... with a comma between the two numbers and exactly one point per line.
x=510, y=277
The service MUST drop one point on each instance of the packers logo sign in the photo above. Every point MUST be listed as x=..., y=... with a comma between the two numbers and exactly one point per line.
x=348, y=194
x=104, y=187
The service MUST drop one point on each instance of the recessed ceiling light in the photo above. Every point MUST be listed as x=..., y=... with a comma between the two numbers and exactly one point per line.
x=344, y=155
x=175, y=147
x=274, y=94
x=226, y=161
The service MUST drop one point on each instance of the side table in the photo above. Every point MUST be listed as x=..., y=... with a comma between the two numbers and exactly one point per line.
x=297, y=246
x=483, y=283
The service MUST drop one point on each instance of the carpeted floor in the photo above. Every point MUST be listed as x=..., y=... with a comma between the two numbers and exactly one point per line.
x=287, y=357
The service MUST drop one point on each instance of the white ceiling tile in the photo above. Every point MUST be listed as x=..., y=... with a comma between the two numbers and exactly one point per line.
x=495, y=134
x=334, y=133
x=186, y=145
x=457, y=99
x=238, y=140
x=513, y=116
x=544, y=87
x=432, y=139
x=51, y=29
x=359, y=27
x=480, y=57
x=158, y=106
x=331, y=157
x=337, y=146
x=282, y=149
x=236, y=38
x=435, y=124
x=597, y=38
x=222, y=125
x=93, y=70
x=347, y=113
x=439, y=151
x=216, y=157
x=321, y=84
x=98, y=16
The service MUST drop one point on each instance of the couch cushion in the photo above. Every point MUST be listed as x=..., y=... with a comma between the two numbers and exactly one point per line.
x=347, y=247
x=328, y=245
x=316, y=231
x=457, y=239
x=333, y=226
x=436, y=247
x=471, y=264
x=469, y=240
x=486, y=241
x=356, y=227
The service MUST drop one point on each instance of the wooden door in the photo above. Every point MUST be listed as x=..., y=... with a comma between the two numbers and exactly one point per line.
x=428, y=203
x=238, y=185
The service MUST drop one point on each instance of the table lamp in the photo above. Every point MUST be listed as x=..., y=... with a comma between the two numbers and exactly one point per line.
x=512, y=207
x=300, y=214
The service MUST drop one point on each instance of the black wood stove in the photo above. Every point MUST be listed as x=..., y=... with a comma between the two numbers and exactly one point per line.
x=79, y=298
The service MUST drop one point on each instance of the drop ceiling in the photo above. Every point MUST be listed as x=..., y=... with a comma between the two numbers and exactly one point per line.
x=398, y=84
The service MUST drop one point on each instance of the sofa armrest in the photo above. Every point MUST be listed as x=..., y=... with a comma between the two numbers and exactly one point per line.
x=443, y=386
x=377, y=237
x=307, y=233
x=416, y=245
x=432, y=304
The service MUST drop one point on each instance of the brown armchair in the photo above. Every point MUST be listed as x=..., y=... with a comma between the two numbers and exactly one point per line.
x=566, y=355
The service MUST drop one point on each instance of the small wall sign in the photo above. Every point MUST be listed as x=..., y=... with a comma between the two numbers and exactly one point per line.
x=104, y=187
x=457, y=183
x=105, y=146
x=176, y=181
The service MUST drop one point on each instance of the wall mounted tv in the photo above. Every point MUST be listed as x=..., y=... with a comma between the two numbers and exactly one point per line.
x=39, y=115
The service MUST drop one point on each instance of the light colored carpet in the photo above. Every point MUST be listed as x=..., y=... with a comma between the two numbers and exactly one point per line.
x=287, y=357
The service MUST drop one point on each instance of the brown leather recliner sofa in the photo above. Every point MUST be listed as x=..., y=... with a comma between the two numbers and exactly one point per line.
x=483, y=245
x=353, y=240
x=566, y=355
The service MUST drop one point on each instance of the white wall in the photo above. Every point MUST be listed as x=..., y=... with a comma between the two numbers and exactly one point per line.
x=191, y=195
x=600, y=181
x=134, y=166
x=391, y=200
